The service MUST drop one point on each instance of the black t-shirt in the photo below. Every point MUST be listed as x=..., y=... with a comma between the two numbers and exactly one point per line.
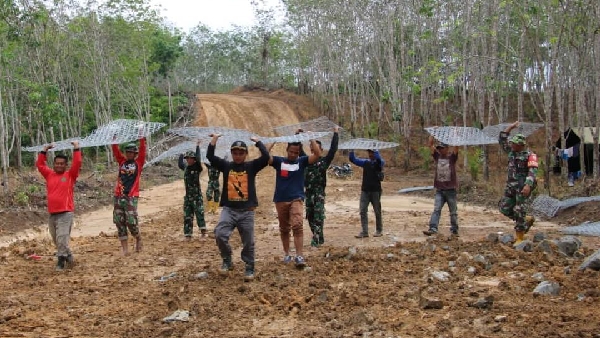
x=239, y=180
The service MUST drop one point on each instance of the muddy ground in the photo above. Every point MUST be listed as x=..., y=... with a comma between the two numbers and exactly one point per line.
x=372, y=287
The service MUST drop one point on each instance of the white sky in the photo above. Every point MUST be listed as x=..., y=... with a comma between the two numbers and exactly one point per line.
x=216, y=14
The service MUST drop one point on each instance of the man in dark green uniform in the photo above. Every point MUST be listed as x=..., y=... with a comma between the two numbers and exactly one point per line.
x=315, y=181
x=192, y=202
x=521, y=181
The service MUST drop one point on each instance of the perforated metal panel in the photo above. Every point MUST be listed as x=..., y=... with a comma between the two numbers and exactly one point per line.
x=114, y=132
x=585, y=229
x=365, y=143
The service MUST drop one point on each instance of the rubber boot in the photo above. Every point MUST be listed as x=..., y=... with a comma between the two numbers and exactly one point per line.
x=529, y=220
x=519, y=237
x=215, y=207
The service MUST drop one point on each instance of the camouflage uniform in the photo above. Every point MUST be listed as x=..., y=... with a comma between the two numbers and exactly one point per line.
x=522, y=170
x=192, y=201
x=125, y=216
x=315, y=180
x=212, y=191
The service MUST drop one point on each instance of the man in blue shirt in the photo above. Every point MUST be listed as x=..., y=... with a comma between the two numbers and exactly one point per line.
x=289, y=196
x=370, y=190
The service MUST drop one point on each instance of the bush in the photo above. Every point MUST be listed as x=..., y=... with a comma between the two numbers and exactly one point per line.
x=474, y=162
x=425, y=154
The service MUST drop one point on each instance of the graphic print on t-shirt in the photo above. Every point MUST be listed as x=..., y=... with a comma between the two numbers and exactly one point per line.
x=443, y=170
x=287, y=167
x=127, y=175
x=237, y=186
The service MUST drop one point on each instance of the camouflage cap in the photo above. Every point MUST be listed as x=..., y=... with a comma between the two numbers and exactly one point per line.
x=518, y=139
x=190, y=154
x=131, y=147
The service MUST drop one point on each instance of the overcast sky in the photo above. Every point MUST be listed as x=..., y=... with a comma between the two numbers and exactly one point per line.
x=217, y=14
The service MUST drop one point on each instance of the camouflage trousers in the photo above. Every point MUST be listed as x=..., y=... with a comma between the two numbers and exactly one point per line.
x=315, y=213
x=514, y=206
x=125, y=216
x=212, y=191
x=193, y=205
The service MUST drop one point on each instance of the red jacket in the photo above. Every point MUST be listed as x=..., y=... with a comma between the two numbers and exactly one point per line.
x=128, y=181
x=60, y=186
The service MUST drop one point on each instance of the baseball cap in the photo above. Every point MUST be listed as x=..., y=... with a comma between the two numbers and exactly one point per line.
x=239, y=145
x=441, y=146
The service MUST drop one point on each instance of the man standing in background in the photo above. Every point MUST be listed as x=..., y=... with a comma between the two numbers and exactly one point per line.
x=370, y=190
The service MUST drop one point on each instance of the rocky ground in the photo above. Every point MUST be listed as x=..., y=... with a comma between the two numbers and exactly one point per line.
x=398, y=285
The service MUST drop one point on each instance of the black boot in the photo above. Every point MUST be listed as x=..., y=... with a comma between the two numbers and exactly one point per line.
x=70, y=261
x=60, y=264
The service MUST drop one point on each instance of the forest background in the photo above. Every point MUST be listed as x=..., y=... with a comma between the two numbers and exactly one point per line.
x=381, y=69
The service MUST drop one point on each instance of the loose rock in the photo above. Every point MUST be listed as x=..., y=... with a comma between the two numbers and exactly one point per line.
x=547, y=288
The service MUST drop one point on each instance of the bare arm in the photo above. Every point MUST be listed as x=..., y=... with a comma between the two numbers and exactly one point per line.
x=314, y=157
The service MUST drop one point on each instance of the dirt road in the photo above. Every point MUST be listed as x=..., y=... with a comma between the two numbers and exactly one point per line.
x=398, y=285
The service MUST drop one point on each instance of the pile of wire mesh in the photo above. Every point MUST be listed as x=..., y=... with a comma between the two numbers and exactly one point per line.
x=469, y=136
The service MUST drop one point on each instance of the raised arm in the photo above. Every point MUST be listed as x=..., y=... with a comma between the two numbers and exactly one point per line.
x=215, y=161
x=40, y=163
x=141, y=159
x=503, y=137
x=333, y=147
x=431, y=144
x=198, y=155
x=378, y=160
x=77, y=160
x=181, y=162
x=265, y=156
x=314, y=157
x=356, y=160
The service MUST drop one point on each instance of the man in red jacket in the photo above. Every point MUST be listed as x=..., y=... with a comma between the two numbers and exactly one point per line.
x=59, y=184
x=127, y=191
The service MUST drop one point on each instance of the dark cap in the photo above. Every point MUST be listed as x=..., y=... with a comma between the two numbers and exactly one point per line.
x=239, y=145
x=441, y=146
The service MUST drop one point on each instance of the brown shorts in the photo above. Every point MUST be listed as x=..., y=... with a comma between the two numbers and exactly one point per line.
x=290, y=215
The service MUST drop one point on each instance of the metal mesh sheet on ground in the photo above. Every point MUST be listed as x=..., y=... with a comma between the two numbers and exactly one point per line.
x=584, y=229
x=524, y=128
x=302, y=137
x=365, y=143
x=319, y=124
x=549, y=206
x=58, y=145
x=121, y=131
x=405, y=190
x=195, y=133
x=460, y=136
x=545, y=205
x=174, y=152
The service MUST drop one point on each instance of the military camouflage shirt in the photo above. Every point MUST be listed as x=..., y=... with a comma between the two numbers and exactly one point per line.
x=315, y=175
x=191, y=175
x=522, y=166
